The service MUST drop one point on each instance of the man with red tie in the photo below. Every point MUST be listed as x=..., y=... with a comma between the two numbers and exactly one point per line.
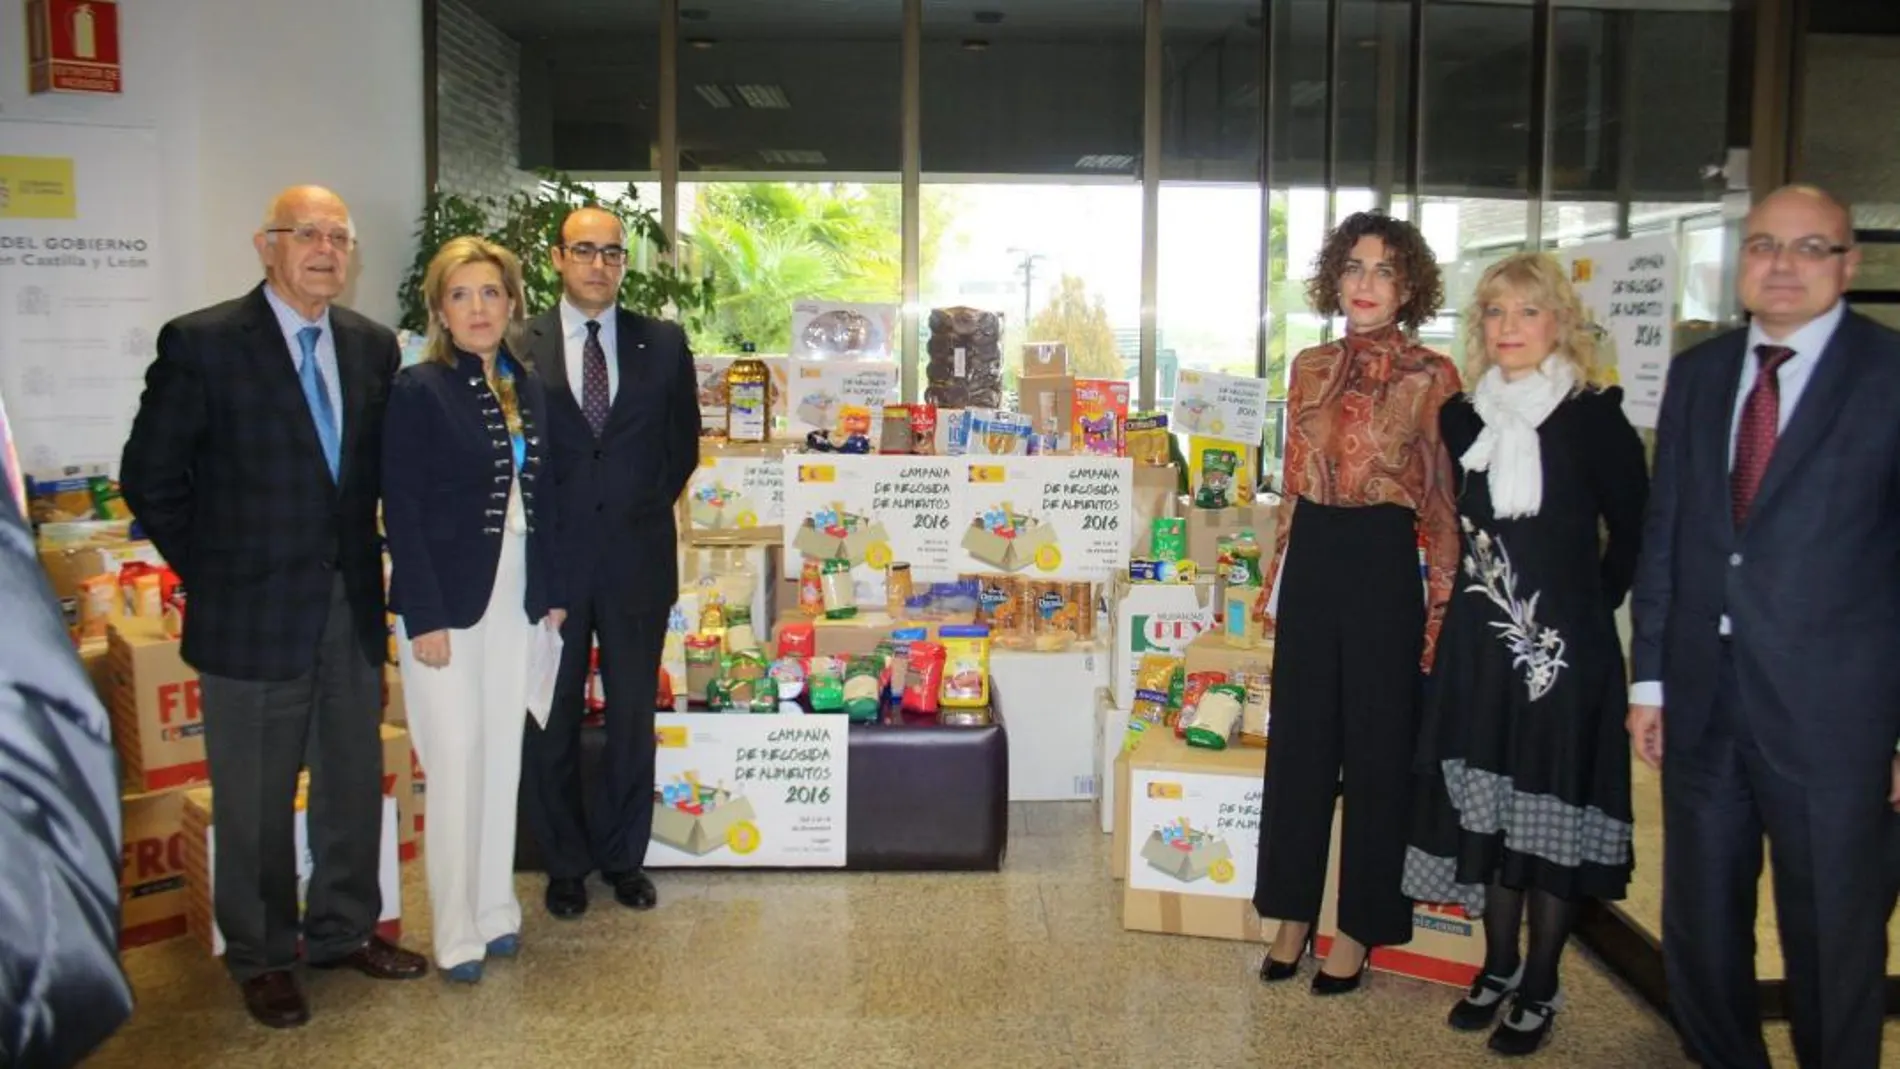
x=623, y=421
x=1766, y=647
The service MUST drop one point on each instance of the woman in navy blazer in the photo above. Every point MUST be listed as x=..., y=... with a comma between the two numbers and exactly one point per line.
x=471, y=537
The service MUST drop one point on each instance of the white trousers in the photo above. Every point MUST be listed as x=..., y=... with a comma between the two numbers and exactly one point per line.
x=466, y=721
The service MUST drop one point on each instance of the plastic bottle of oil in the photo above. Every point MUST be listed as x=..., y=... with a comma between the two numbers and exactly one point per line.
x=748, y=399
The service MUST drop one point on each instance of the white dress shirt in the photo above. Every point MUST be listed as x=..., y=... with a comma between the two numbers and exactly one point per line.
x=574, y=342
x=290, y=321
x=1808, y=344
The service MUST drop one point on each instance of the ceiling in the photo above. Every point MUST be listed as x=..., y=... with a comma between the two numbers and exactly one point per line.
x=1058, y=82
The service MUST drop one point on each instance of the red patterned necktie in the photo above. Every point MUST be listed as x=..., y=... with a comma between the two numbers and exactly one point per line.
x=1755, y=438
x=594, y=402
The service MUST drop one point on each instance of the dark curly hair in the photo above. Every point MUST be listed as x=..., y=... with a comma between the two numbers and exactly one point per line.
x=1419, y=280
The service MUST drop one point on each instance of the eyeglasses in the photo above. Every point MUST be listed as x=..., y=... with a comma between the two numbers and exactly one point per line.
x=1812, y=249
x=309, y=234
x=584, y=252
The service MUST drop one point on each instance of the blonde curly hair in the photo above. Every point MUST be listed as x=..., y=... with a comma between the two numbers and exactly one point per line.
x=1539, y=279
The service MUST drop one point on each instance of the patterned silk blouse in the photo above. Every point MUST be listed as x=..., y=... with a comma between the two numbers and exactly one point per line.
x=1362, y=429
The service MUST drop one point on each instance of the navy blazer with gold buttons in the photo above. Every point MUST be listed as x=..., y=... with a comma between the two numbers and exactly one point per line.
x=447, y=463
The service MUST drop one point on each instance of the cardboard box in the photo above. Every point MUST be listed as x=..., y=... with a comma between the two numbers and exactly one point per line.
x=157, y=725
x=200, y=851
x=153, y=899
x=1049, y=402
x=700, y=567
x=1209, y=652
x=1206, y=527
x=857, y=636
x=1111, y=729
x=399, y=783
x=395, y=710
x=1153, y=618
x=1051, y=732
x=1447, y=947
x=1045, y=359
x=1156, y=497
x=418, y=794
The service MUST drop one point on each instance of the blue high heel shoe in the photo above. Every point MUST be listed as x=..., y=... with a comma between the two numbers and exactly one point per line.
x=469, y=972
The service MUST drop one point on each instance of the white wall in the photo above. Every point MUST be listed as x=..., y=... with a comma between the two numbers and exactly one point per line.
x=250, y=97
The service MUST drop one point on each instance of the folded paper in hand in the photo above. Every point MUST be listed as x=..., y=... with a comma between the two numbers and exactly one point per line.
x=544, y=664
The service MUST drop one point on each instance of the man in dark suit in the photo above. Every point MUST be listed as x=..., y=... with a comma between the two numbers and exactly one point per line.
x=62, y=991
x=254, y=466
x=1767, y=610
x=624, y=422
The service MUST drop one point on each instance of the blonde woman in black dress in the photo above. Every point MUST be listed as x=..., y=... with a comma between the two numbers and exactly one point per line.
x=1524, y=757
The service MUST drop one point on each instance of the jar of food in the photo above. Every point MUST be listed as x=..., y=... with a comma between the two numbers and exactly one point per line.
x=897, y=589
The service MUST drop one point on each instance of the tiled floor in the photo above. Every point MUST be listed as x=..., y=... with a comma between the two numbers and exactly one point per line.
x=1026, y=968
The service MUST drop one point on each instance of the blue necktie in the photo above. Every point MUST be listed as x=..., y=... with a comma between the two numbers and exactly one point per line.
x=317, y=396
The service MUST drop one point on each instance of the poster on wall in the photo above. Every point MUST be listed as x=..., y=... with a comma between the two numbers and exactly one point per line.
x=1046, y=517
x=744, y=791
x=1193, y=833
x=1628, y=289
x=81, y=266
x=870, y=511
x=1231, y=408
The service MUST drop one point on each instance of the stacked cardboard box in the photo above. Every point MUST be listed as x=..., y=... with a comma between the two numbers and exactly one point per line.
x=152, y=884
x=399, y=783
x=200, y=849
x=152, y=696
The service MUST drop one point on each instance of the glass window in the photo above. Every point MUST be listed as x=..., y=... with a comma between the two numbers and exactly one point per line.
x=1208, y=302
x=1031, y=208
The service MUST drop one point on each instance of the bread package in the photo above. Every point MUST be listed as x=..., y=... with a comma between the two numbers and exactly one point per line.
x=966, y=359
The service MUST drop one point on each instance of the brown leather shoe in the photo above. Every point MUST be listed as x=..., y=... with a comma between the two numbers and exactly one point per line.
x=380, y=959
x=275, y=1000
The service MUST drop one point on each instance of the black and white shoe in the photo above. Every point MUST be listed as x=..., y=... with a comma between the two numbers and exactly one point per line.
x=1525, y=1028
x=1479, y=1008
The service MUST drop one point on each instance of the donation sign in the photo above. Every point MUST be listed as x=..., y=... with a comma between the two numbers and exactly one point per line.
x=1231, y=408
x=739, y=790
x=1193, y=833
x=730, y=495
x=822, y=389
x=1047, y=517
x=1628, y=289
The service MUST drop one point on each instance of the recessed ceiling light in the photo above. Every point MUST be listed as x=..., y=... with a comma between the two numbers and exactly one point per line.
x=702, y=43
x=767, y=97
x=713, y=95
x=1105, y=162
x=975, y=44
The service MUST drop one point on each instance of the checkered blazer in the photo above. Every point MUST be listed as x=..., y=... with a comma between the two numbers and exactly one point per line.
x=225, y=475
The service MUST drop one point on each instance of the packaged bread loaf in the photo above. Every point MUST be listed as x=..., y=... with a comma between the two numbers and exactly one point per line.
x=965, y=367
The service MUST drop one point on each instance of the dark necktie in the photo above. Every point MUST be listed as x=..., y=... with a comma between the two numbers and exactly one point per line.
x=594, y=402
x=1755, y=437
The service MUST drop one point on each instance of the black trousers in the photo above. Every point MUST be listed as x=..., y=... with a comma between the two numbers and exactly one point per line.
x=610, y=833
x=258, y=736
x=1833, y=891
x=1350, y=629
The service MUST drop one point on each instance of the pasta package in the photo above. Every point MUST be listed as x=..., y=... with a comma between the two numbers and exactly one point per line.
x=1147, y=435
x=1196, y=688
x=1218, y=716
x=1153, y=675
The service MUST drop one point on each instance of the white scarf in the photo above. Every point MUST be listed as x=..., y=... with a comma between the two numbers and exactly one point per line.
x=1507, y=448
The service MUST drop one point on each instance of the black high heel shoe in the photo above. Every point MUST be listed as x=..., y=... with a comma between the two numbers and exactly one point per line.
x=1272, y=972
x=1342, y=985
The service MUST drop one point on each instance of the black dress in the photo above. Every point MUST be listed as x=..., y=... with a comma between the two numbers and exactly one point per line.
x=1523, y=757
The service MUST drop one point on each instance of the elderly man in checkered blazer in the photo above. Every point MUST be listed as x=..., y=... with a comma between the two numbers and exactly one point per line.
x=254, y=465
